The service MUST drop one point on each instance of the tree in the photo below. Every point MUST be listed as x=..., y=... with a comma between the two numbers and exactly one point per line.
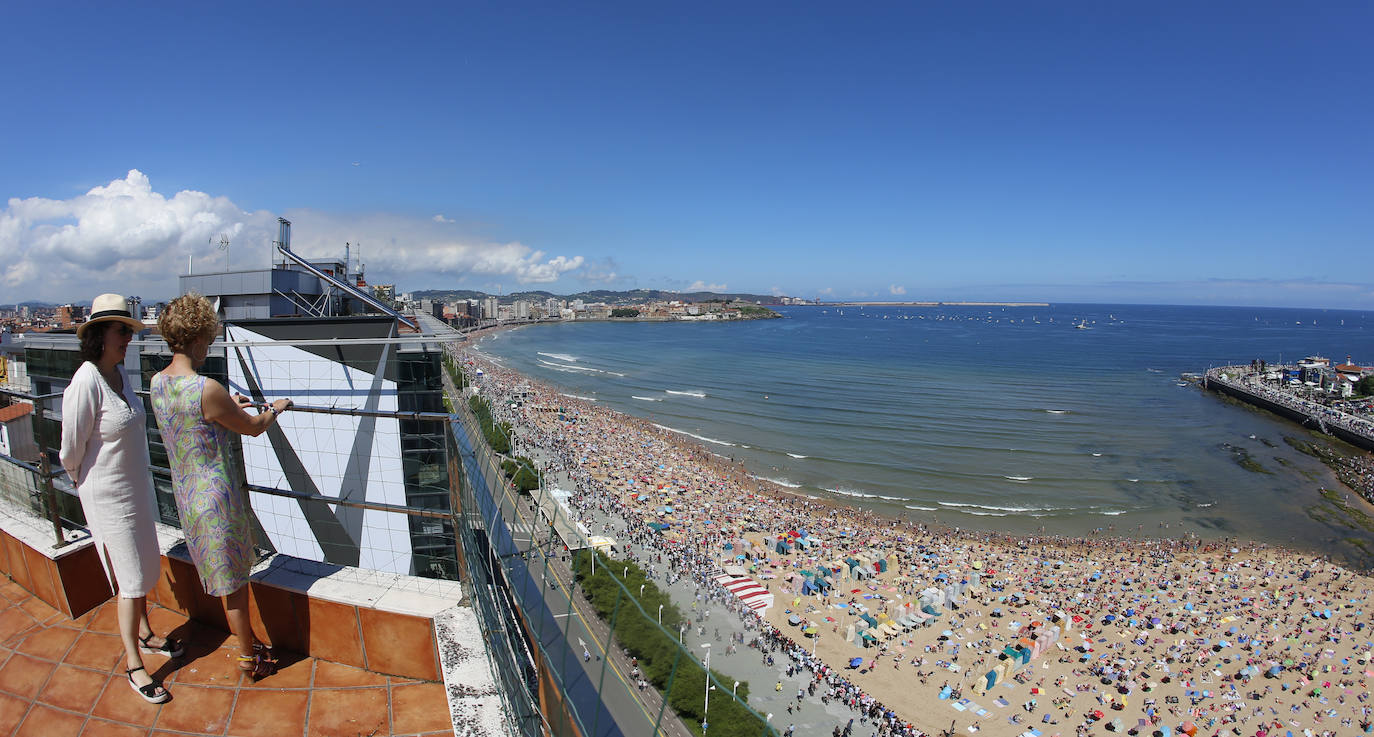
x=1365, y=386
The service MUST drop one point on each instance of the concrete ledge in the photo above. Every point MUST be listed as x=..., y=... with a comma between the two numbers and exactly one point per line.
x=67, y=578
x=385, y=623
x=377, y=621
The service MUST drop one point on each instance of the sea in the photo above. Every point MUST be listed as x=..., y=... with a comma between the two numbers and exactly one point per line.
x=1068, y=419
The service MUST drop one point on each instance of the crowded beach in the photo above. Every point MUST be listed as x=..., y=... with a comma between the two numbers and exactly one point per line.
x=915, y=629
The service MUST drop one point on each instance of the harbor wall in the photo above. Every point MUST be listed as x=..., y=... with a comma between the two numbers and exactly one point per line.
x=1213, y=381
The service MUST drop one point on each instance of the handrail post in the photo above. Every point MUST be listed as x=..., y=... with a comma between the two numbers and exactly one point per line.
x=50, y=499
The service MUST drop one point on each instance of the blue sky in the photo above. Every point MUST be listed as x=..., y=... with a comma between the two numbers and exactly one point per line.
x=1181, y=153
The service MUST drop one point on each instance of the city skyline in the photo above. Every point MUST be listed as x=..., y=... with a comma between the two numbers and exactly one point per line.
x=1061, y=153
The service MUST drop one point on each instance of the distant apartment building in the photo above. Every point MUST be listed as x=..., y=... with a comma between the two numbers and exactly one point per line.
x=489, y=308
x=68, y=316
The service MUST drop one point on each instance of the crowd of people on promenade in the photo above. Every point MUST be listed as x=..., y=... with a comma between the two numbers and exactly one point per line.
x=1319, y=410
x=1217, y=635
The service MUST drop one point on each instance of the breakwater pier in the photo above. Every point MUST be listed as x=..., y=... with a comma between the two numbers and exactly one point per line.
x=1246, y=384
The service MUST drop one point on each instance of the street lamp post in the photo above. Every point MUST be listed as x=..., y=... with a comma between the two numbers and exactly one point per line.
x=641, y=590
x=680, y=629
x=706, y=706
x=660, y=615
x=734, y=691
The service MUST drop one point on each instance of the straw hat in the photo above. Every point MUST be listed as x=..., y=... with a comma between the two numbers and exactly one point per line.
x=108, y=308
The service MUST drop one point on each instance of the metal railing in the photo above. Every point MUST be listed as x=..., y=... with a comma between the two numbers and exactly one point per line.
x=40, y=493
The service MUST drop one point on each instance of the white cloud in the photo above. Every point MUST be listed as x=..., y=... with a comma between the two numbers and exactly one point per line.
x=441, y=219
x=775, y=290
x=114, y=237
x=405, y=250
x=897, y=289
x=826, y=291
x=604, y=272
x=126, y=237
x=701, y=286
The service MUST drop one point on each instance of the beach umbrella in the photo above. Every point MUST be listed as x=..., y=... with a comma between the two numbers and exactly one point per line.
x=855, y=662
x=794, y=619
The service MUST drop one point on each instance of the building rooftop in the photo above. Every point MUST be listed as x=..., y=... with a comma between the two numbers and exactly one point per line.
x=62, y=676
x=15, y=411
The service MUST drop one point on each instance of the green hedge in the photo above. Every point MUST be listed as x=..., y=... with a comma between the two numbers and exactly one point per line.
x=638, y=632
x=456, y=373
x=496, y=433
x=520, y=471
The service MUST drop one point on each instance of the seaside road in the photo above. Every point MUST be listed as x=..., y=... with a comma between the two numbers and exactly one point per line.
x=602, y=716
x=810, y=716
x=568, y=628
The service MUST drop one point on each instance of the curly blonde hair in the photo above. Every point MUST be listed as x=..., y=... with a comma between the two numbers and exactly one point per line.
x=187, y=319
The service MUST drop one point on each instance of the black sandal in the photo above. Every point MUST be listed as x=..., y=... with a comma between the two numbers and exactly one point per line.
x=170, y=647
x=150, y=691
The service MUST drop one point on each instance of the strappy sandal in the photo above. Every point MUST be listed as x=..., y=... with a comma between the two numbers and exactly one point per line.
x=259, y=665
x=150, y=691
x=170, y=647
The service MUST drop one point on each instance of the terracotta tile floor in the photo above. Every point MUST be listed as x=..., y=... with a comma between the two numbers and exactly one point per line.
x=63, y=678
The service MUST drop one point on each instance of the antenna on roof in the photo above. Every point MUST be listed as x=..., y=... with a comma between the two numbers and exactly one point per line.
x=223, y=243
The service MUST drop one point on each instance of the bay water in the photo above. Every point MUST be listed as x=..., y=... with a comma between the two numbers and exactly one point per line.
x=1006, y=418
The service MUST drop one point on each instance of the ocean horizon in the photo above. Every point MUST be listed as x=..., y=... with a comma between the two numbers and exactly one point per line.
x=1000, y=418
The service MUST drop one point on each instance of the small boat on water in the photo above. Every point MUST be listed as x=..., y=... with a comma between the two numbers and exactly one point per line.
x=1082, y=325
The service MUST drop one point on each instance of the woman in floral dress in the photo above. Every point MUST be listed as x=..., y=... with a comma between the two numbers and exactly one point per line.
x=196, y=415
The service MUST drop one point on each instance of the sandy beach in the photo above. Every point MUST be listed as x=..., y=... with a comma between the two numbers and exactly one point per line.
x=1086, y=635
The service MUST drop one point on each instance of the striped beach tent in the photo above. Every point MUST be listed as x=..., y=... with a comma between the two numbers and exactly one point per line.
x=747, y=590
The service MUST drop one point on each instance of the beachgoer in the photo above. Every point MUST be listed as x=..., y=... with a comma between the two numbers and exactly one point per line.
x=105, y=452
x=196, y=415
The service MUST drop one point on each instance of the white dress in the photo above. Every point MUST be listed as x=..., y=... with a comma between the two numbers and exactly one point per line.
x=105, y=451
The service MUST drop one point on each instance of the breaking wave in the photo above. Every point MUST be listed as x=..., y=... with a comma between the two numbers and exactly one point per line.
x=702, y=438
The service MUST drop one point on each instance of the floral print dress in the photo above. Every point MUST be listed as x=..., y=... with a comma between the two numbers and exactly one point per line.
x=214, y=512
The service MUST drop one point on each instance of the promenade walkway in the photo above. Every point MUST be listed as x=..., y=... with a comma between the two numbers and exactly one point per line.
x=1243, y=379
x=61, y=677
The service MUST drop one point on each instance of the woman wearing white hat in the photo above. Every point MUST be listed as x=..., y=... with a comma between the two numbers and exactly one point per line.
x=105, y=451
